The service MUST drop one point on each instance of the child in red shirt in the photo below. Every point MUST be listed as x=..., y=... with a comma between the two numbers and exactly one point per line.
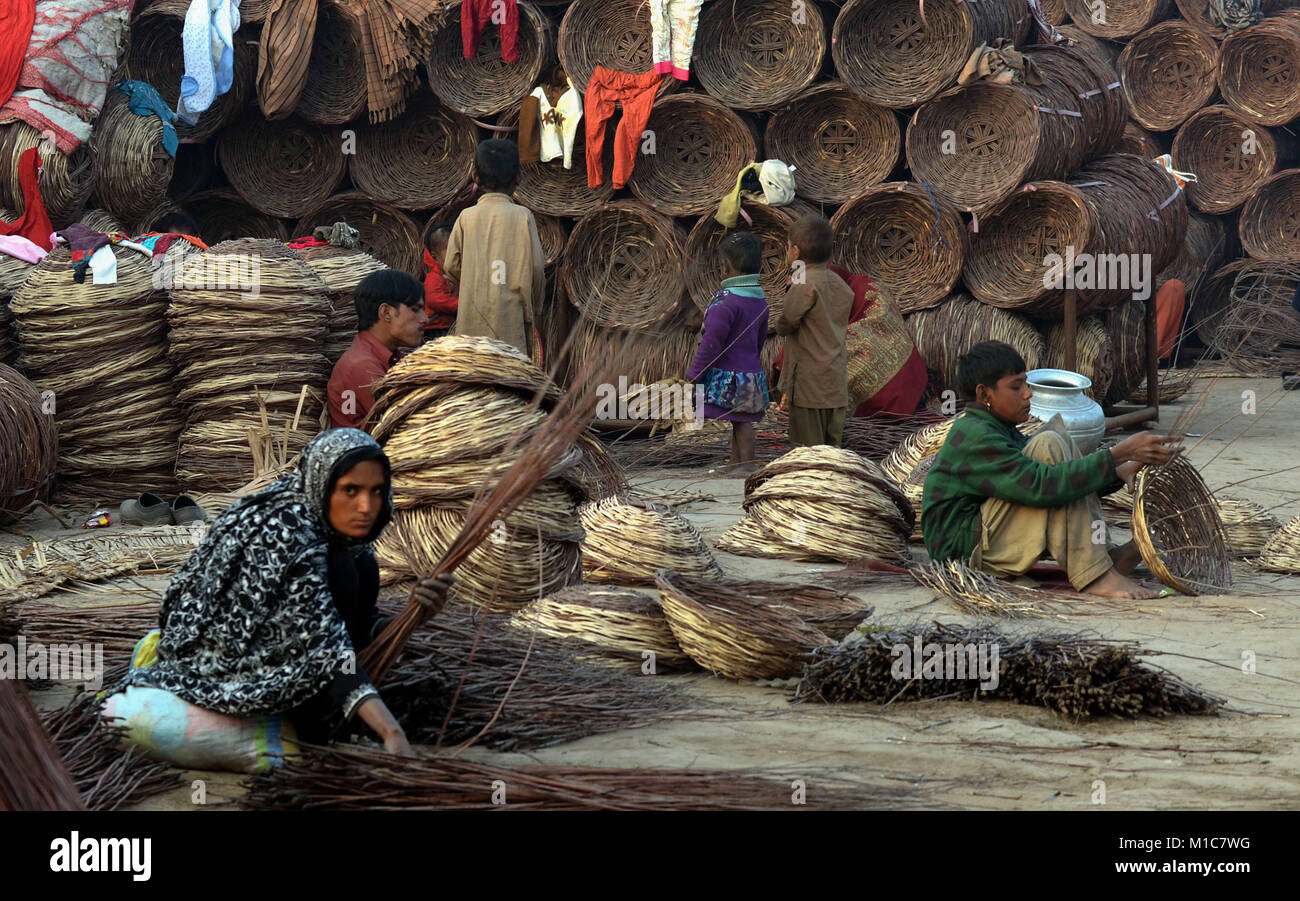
x=440, y=300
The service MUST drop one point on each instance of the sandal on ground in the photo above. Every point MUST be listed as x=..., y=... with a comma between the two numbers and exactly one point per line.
x=146, y=510
x=186, y=510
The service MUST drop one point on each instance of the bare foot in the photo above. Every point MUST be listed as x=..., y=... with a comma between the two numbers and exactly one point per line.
x=1126, y=557
x=1115, y=585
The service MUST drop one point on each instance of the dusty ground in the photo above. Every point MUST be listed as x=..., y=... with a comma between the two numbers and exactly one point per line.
x=1002, y=755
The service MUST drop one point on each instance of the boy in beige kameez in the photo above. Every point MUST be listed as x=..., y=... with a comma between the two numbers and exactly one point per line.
x=495, y=256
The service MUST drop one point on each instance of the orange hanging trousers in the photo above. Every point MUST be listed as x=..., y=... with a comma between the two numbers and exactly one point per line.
x=605, y=89
x=1170, y=301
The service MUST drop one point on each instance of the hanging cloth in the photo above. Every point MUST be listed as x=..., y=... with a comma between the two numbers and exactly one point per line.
x=208, y=43
x=283, y=54
x=34, y=224
x=15, y=35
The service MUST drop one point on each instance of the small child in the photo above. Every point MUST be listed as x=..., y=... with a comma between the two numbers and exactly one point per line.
x=729, y=358
x=440, y=301
x=495, y=256
x=814, y=320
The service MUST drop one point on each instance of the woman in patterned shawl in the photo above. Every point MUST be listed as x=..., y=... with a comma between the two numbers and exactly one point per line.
x=267, y=616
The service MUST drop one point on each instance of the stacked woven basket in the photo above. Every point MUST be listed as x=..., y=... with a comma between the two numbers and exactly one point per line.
x=342, y=270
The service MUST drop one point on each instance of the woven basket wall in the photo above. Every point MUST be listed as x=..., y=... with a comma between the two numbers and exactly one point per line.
x=223, y=215
x=1197, y=12
x=131, y=169
x=1259, y=67
x=65, y=180
x=1207, y=305
x=758, y=54
x=610, y=33
x=419, y=161
x=386, y=233
x=1107, y=51
x=839, y=144
x=652, y=354
x=703, y=267
x=1212, y=143
x=1168, y=73
x=335, y=91
x=911, y=243
x=947, y=332
x=1117, y=18
x=486, y=84
x=1269, y=226
x=699, y=147
x=283, y=168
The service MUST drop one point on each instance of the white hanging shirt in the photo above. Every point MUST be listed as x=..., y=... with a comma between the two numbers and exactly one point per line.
x=558, y=125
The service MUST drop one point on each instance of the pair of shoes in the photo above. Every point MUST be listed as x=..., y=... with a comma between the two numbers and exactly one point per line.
x=150, y=510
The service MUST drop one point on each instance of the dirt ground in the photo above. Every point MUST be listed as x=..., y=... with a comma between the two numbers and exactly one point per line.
x=995, y=755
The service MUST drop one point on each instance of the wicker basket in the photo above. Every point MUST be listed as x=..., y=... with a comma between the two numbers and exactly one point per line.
x=1269, y=226
x=155, y=56
x=944, y=334
x=1126, y=327
x=1117, y=18
x=29, y=445
x=1094, y=354
x=1211, y=144
x=65, y=180
x=1139, y=142
x=1168, y=73
x=282, y=168
x=900, y=53
x=1208, y=303
x=1247, y=526
x=131, y=168
x=1177, y=528
x=552, y=189
x=1258, y=69
x=756, y=54
x=1106, y=51
x=485, y=84
x=627, y=543
x=1282, y=552
x=610, y=33
x=1054, y=12
x=336, y=75
x=700, y=146
x=651, y=355
x=853, y=145
x=976, y=145
x=703, y=268
x=419, y=161
x=910, y=242
x=223, y=215
x=1259, y=330
x=623, y=266
x=386, y=233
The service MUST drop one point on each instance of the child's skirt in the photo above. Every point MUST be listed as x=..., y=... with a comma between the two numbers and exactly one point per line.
x=735, y=396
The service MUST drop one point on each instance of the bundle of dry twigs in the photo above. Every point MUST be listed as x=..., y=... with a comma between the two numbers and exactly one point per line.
x=32, y=775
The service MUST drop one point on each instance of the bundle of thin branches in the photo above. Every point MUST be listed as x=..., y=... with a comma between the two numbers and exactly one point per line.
x=117, y=627
x=1168, y=73
x=729, y=633
x=108, y=773
x=620, y=624
x=627, y=543
x=1177, y=528
x=32, y=775
x=1094, y=353
x=1282, y=552
x=1247, y=526
x=981, y=594
x=510, y=487
x=947, y=332
x=1250, y=63
x=355, y=779
x=1259, y=332
x=1078, y=676
x=29, y=445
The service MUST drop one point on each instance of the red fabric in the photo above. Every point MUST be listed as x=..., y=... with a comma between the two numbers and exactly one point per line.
x=440, y=301
x=475, y=15
x=605, y=89
x=34, y=225
x=1170, y=300
x=361, y=365
x=16, y=19
x=299, y=243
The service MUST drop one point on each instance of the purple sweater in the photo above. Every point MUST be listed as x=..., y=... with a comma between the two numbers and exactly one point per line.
x=735, y=327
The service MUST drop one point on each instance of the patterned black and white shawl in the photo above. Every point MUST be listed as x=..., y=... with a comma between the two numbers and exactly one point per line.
x=249, y=625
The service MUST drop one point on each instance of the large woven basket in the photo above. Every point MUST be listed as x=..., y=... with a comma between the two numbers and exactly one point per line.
x=1168, y=72
x=976, y=145
x=627, y=543
x=838, y=143
x=946, y=332
x=704, y=270
x=1126, y=327
x=1269, y=226
x=758, y=54
x=1281, y=554
x=1209, y=302
x=386, y=233
x=29, y=445
x=336, y=75
x=1197, y=12
x=552, y=189
x=65, y=180
x=485, y=84
x=155, y=57
x=1107, y=51
x=1259, y=330
x=651, y=354
x=900, y=53
x=131, y=168
x=909, y=241
x=699, y=148
x=1212, y=143
x=1117, y=18
x=1259, y=67
x=623, y=266
x=282, y=168
x=614, y=34
x=1094, y=354
x=1177, y=528
x=222, y=215
x=419, y=161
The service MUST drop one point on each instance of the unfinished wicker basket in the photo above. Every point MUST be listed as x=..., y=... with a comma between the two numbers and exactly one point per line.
x=909, y=241
x=1117, y=18
x=386, y=233
x=65, y=180
x=900, y=53
x=627, y=543
x=946, y=332
x=1168, y=72
x=1213, y=143
x=1126, y=327
x=652, y=355
x=1282, y=552
x=1177, y=528
x=1269, y=226
x=284, y=168
x=419, y=161
x=757, y=54
x=704, y=269
x=623, y=266
x=223, y=215
x=1094, y=354
x=29, y=445
x=1247, y=526
x=1258, y=69
x=485, y=84
x=699, y=147
x=619, y=624
x=825, y=609
x=131, y=168
x=1259, y=330
x=838, y=143
x=335, y=91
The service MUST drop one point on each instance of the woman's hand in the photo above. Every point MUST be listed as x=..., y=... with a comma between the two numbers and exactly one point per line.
x=397, y=745
x=432, y=593
x=1146, y=448
x=375, y=714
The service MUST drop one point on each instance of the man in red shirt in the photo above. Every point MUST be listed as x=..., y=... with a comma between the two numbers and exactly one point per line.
x=390, y=314
x=440, y=300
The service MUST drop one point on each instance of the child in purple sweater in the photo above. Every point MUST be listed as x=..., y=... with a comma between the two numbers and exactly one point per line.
x=728, y=361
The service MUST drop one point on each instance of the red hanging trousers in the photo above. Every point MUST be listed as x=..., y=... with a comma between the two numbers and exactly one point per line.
x=475, y=15
x=605, y=89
